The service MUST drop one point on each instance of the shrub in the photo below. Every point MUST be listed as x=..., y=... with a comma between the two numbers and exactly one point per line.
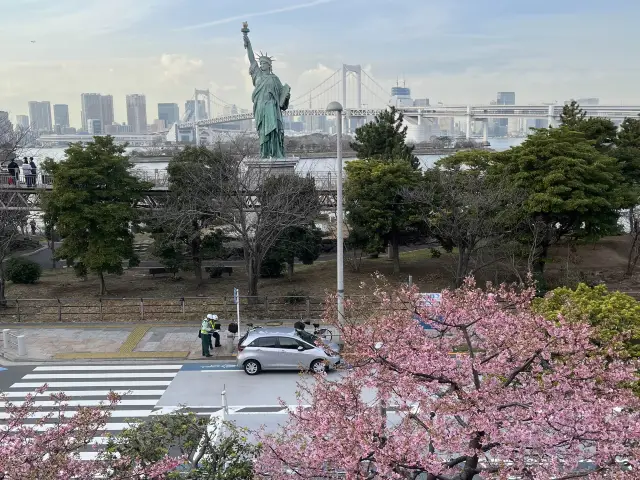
x=295, y=296
x=23, y=270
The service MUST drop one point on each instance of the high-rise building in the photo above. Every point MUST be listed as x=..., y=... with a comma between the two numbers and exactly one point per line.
x=168, y=112
x=61, y=115
x=91, y=104
x=40, y=116
x=585, y=101
x=506, y=98
x=189, y=110
x=501, y=125
x=6, y=130
x=94, y=126
x=137, y=112
x=107, y=109
x=22, y=121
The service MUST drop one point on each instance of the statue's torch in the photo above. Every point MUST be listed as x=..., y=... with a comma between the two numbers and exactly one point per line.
x=245, y=33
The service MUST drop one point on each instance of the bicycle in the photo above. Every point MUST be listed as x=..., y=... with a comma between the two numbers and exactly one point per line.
x=323, y=333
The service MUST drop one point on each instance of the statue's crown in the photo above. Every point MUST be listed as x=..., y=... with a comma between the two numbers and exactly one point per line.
x=265, y=57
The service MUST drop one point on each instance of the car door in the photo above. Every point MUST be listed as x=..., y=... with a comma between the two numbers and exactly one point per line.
x=290, y=357
x=266, y=351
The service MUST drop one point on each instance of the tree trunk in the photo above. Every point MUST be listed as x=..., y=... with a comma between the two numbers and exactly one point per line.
x=464, y=256
x=53, y=253
x=196, y=255
x=3, y=300
x=290, y=268
x=395, y=252
x=539, y=262
x=631, y=219
x=254, y=275
x=103, y=285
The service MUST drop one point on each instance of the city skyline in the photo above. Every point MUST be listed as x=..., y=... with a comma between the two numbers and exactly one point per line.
x=459, y=52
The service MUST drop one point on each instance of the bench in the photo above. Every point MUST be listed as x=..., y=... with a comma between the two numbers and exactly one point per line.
x=216, y=272
x=159, y=271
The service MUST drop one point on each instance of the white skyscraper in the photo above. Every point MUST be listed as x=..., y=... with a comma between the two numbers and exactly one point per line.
x=137, y=112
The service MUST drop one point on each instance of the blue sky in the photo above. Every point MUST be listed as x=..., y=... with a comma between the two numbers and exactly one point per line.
x=456, y=51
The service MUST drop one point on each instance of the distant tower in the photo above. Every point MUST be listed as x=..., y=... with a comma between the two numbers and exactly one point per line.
x=357, y=71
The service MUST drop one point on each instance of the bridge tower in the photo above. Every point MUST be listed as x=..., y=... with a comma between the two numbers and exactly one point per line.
x=357, y=71
x=207, y=98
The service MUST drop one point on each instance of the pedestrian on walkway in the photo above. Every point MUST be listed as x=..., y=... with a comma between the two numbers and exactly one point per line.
x=215, y=331
x=205, y=335
x=34, y=171
x=26, y=171
x=13, y=169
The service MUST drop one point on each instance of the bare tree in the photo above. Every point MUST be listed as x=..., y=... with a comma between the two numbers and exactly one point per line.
x=470, y=213
x=252, y=205
x=10, y=221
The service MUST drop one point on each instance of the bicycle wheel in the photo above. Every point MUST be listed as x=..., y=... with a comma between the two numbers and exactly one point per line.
x=325, y=334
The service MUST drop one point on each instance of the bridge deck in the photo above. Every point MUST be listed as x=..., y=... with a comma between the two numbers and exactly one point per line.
x=23, y=193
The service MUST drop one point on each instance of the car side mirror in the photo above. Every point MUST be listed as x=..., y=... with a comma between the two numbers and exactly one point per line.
x=300, y=349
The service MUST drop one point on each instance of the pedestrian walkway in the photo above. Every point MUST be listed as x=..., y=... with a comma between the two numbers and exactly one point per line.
x=88, y=385
x=119, y=341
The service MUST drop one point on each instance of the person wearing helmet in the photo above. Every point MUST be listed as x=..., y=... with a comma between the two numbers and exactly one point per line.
x=214, y=330
x=205, y=334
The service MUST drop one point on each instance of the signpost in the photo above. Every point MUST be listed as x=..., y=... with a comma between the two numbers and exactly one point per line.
x=236, y=300
x=428, y=300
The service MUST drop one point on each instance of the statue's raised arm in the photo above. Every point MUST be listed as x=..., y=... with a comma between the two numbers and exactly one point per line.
x=247, y=43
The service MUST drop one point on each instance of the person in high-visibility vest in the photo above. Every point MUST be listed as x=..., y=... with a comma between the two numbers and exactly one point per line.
x=205, y=334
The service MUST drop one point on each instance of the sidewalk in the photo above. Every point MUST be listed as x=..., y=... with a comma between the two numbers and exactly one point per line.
x=46, y=342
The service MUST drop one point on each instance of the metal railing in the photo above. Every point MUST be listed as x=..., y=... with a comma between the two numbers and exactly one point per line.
x=13, y=344
x=158, y=179
x=164, y=310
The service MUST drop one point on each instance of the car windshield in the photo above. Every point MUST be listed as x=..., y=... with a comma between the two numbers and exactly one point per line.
x=307, y=337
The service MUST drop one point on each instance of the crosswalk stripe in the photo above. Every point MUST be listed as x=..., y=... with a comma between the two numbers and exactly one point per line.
x=110, y=427
x=87, y=393
x=91, y=403
x=60, y=376
x=69, y=414
x=141, y=386
x=141, y=383
x=84, y=368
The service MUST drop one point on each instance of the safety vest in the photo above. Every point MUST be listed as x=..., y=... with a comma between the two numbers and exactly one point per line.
x=206, y=326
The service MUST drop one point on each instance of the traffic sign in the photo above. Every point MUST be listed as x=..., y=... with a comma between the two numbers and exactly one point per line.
x=236, y=295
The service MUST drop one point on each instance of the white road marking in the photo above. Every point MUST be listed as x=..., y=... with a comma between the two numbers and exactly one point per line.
x=92, y=368
x=60, y=376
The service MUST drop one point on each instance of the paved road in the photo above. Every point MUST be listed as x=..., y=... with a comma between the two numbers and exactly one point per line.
x=154, y=388
x=150, y=388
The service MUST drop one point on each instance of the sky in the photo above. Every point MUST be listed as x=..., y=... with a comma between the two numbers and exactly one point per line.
x=454, y=51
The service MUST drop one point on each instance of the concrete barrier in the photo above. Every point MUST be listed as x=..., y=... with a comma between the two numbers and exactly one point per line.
x=14, y=346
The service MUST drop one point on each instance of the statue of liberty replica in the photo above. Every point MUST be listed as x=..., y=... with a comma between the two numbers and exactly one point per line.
x=270, y=98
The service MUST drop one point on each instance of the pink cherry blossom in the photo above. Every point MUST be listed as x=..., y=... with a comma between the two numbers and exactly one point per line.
x=525, y=397
x=30, y=451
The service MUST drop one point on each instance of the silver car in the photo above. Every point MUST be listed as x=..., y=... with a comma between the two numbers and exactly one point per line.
x=285, y=348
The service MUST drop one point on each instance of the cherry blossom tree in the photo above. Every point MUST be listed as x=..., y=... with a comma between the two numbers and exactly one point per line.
x=489, y=389
x=37, y=451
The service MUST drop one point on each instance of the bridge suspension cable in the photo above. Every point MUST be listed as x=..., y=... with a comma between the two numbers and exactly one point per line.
x=305, y=96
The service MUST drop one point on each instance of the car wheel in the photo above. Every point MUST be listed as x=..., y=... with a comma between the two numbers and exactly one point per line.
x=251, y=367
x=318, y=366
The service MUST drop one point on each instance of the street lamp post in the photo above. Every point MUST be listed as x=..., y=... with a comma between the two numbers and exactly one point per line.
x=337, y=108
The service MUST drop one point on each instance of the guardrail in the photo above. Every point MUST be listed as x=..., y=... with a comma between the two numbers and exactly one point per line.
x=158, y=179
x=13, y=344
x=183, y=309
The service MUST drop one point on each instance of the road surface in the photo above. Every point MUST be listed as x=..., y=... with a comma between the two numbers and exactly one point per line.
x=157, y=388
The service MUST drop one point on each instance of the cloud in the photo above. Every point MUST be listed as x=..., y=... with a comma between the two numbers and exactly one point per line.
x=255, y=14
x=175, y=66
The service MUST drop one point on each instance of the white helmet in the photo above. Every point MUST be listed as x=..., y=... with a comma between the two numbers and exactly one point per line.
x=213, y=317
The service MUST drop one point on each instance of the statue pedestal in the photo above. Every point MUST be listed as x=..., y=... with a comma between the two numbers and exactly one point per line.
x=260, y=168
